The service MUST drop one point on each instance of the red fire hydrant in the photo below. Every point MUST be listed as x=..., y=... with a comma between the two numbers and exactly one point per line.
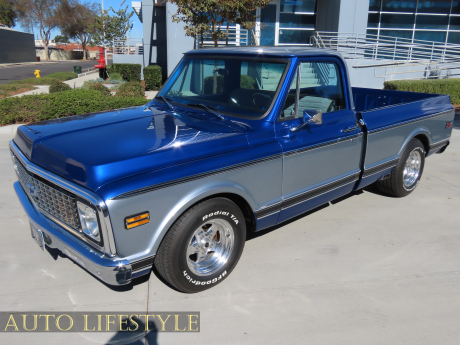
x=102, y=65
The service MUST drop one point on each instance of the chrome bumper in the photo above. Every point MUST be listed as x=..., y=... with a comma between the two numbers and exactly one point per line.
x=113, y=271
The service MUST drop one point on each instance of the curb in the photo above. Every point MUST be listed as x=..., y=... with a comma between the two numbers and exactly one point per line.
x=10, y=128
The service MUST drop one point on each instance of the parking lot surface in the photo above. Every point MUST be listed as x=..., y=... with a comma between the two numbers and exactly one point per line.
x=366, y=269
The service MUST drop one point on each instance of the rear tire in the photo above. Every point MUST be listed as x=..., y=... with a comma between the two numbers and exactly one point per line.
x=203, y=246
x=405, y=177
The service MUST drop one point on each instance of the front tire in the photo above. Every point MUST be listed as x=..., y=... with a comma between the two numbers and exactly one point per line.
x=203, y=246
x=406, y=176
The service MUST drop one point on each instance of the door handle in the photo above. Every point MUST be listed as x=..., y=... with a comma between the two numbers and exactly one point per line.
x=349, y=129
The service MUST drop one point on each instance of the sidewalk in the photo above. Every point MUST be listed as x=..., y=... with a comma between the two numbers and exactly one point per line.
x=73, y=83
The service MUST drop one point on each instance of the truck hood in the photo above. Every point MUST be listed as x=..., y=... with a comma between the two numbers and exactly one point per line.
x=94, y=149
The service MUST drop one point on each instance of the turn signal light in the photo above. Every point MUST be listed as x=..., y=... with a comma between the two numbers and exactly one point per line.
x=137, y=220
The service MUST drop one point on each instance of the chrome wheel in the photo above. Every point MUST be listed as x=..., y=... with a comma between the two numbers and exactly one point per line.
x=210, y=247
x=412, y=168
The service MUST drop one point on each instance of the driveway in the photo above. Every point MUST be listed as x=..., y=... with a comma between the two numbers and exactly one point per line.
x=366, y=269
x=10, y=73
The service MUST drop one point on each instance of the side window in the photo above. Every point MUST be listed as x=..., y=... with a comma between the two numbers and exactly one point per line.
x=320, y=87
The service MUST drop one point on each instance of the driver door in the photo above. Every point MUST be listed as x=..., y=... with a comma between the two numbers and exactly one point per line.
x=321, y=161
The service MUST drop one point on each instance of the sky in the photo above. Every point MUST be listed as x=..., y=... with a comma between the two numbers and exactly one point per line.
x=107, y=4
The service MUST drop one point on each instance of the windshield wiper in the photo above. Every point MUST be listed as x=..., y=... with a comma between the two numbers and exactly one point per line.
x=208, y=108
x=165, y=99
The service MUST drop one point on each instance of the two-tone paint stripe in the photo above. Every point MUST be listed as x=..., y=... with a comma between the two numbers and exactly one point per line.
x=380, y=167
x=437, y=146
x=142, y=264
x=408, y=122
x=197, y=177
x=305, y=196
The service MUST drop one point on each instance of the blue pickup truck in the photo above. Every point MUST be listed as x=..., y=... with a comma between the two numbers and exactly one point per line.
x=237, y=140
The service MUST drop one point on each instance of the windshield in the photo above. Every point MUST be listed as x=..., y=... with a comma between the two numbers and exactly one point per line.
x=239, y=87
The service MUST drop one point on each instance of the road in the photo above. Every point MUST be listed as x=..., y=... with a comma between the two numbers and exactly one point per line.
x=19, y=72
x=366, y=269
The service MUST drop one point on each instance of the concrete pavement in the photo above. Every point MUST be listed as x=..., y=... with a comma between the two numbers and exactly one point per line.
x=367, y=269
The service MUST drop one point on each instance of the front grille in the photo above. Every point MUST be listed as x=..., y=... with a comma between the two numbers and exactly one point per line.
x=62, y=205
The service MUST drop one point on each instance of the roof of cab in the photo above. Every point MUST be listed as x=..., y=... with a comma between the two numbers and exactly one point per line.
x=267, y=51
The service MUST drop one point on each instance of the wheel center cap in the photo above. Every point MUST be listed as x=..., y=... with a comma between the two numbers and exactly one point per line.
x=206, y=244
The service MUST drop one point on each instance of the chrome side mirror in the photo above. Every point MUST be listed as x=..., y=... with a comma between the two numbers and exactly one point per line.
x=308, y=119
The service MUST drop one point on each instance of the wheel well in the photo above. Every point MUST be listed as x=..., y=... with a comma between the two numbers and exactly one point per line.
x=424, y=139
x=242, y=204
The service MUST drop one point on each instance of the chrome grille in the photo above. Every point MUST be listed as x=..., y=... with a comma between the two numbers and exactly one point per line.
x=59, y=204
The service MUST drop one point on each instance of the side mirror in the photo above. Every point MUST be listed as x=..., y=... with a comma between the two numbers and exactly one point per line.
x=310, y=117
x=313, y=116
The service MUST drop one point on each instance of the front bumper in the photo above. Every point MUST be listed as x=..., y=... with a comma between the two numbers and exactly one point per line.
x=113, y=271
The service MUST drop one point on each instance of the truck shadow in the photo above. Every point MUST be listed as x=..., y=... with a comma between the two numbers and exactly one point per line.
x=149, y=337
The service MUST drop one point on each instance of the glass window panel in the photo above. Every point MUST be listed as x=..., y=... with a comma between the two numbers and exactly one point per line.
x=295, y=36
x=396, y=33
x=433, y=6
x=373, y=20
x=397, y=21
x=291, y=6
x=399, y=5
x=372, y=32
x=432, y=22
x=374, y=5
x=320, y=88
x=454, y=37
x=454, y=23
x=456, y=7
x=435, y=36
x=291, y=20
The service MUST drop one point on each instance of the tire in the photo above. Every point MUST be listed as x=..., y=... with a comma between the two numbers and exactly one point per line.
x=404, y=179
x=203, y=246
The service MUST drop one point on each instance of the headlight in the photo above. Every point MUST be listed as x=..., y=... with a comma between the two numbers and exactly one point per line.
x=88, y=219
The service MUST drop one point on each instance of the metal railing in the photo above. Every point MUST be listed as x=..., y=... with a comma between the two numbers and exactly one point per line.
x=366, y=46
x=128, y=46
x=236, y=37
x=415, y=71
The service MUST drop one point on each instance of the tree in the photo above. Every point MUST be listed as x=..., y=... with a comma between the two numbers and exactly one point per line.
x=76, y=20
x=8, y=13
x=203, y=17
x=107, y=28
x=61, y=38
x=39, y=14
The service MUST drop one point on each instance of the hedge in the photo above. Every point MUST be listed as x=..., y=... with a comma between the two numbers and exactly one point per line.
x=34, y=108
x=438, y=86
x=129, y=71
x=130, y=89
x=104, y=90
x=59, y=86
x=152, y=77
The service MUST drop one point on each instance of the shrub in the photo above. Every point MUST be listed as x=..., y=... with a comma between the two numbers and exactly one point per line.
x=437, y=86
x=15, y=87
x=115, y=76
x=35, y=81
x=62, y=76
x=246, y=82
x=98, y=87
x=34, y=108
x=58, y=86
x=130, y=89
x=129, y=71
x=152, y=77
